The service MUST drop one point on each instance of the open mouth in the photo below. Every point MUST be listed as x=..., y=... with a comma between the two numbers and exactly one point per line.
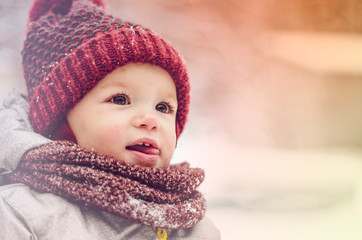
x=145, y=148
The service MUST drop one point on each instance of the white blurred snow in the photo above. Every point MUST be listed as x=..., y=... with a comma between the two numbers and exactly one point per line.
x=266, y=193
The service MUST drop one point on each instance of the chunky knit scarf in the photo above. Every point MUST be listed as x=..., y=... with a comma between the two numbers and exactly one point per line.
x=154, y=197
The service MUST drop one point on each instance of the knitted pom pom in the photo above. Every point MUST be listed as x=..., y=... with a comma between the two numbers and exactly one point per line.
x=41, y=7
x=98, y=2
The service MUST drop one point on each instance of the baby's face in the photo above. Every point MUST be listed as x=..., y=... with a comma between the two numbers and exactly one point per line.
x=129, y=115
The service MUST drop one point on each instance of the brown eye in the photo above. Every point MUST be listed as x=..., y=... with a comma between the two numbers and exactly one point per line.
x=120, y=99
x=163, y=107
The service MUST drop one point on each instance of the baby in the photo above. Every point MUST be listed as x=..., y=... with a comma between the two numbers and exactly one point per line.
x=130, y=115
x=113, y=98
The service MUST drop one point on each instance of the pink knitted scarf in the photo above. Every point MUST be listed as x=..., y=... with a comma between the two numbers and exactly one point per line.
x=154, y=197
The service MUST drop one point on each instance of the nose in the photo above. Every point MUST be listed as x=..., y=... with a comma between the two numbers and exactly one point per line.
x=147, y=121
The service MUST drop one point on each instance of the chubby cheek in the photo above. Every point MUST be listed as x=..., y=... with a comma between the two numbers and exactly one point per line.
x=166, y=158
x=111, y=133
x=104, y=139
x=168, y=151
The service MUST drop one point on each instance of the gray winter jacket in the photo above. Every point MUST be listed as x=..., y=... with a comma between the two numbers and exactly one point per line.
x=28, y=214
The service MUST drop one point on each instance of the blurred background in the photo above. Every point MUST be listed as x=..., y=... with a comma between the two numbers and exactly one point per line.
x=276, y=107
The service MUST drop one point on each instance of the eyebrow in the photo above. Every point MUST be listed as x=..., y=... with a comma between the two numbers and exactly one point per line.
x=171, y=96
x=111, y=85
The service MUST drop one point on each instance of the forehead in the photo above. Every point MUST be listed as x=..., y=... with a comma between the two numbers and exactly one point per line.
x=139, y=76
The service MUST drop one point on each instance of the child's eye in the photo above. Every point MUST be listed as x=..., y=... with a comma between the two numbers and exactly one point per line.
x=164, y=108
x=120, y=99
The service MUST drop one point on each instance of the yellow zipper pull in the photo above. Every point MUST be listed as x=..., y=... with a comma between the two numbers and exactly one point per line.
x=161, y=233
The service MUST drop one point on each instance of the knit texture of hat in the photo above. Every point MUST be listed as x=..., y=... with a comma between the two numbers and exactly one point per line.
x=73, y=44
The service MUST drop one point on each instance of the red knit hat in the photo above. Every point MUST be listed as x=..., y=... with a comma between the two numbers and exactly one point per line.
x=72, y=44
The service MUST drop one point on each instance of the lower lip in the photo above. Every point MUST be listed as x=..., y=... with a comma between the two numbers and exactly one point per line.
x=145, y=158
